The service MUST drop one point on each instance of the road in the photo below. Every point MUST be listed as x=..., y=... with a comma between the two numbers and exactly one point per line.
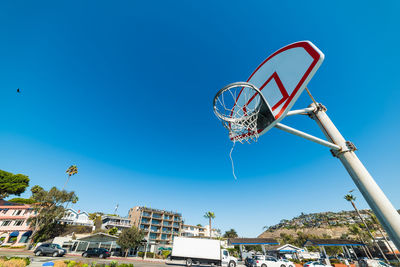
x=38, y=261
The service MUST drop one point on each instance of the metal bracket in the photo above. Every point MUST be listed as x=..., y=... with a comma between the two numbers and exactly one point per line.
x=349, y=147
x=318, y=107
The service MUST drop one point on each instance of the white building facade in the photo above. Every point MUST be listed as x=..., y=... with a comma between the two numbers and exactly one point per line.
x=73, y=217
x=199, y=231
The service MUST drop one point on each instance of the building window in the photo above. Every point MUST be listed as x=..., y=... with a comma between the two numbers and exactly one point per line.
x=6, y=223
x=4, y=211
x=18, y=222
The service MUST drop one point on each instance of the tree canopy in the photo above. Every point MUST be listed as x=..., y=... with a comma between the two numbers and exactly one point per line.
x=130, y=238
x=230, y=234
x=12, y=184
x=49, y=208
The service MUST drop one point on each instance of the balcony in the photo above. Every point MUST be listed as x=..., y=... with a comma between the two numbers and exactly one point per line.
x=158, y=216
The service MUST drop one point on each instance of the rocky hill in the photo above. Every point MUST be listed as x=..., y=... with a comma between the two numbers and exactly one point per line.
x=323, y=224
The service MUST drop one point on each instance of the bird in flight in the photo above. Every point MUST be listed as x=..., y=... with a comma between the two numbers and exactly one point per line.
x=18, y=91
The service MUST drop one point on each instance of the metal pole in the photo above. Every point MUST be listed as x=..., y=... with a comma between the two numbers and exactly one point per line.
x=373, y=194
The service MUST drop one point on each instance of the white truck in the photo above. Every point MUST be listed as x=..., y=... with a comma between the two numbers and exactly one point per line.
x=201, y=251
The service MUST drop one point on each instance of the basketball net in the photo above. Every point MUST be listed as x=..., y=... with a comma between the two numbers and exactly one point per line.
x=239, y=115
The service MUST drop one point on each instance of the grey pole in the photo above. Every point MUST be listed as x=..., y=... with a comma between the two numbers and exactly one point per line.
x=373, y=194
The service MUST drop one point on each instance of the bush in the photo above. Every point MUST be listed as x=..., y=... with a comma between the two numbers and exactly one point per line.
x=165, y=253
x=60, y=264
x=18, y=247
x=140, y=254
x=150, y=254
x=125, y=265
x=13, y=263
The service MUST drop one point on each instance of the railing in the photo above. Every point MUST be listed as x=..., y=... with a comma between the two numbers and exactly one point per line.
x=116, y=223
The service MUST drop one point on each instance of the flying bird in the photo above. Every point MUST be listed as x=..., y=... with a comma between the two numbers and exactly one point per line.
x=18, y=91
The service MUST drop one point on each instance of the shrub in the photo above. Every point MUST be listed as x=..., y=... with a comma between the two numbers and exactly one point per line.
x=13, y=263
x=60, y=263
x=125, y=265
x=165, y=253
x=113, y=263
x=140, y=254
x=150, y=254
x=17, y=247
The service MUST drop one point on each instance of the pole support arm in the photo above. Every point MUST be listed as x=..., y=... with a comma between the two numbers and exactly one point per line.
x=304, y=111
x=307, y=136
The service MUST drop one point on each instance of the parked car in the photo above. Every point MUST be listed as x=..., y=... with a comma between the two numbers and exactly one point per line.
x=373, y=263
x=288, y=263
x=315, y=264
x=49, y=249
x=268, y=261
x=249, y=262
x=96, y=252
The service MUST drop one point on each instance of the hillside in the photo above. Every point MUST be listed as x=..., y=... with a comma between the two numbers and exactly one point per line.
x=323, y=224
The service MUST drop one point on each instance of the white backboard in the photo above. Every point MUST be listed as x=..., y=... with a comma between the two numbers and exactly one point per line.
x=283, y=76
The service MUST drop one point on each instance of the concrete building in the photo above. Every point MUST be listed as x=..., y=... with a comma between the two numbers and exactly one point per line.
x=110, y=221
x=86, y=241
x=159, y=226
x=193, y=230
x=214, y=232
x=14, y=227
x=73, y=217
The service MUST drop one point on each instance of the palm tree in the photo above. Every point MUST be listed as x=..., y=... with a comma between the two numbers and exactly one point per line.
x=356, y=231
x=349, y=197
x=209, y=215
x=72, y=170
x=376, y=222
x=230, y=234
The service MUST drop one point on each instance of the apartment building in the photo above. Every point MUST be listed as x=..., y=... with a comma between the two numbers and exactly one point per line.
x=110, y=221
x=193, y=230
x=198, y=230
x=14, y=227
x=160, y=226
x=73, y=217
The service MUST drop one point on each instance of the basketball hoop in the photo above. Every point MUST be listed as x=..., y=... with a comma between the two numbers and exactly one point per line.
x=243, y=110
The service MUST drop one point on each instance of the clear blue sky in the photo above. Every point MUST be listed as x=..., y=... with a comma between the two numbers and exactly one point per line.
x=124, y=90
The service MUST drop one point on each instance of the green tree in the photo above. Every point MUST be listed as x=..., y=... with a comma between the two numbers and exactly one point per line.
x=49, y=210
x=130, y=238
x=230, y=234
x=113, y=231
x=96, y=218
x=12, y=184
x=72, y=170
x=21, y=200
x=209, y=215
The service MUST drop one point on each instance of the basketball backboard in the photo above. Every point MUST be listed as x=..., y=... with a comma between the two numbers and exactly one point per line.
x=281, y=78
